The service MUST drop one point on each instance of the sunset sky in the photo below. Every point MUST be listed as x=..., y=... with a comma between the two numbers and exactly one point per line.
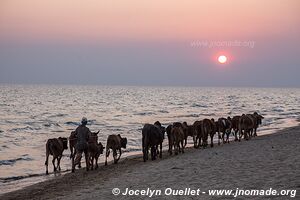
x=139, y=42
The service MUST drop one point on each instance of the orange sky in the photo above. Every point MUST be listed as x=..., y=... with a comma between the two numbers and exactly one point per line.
x=146, y=20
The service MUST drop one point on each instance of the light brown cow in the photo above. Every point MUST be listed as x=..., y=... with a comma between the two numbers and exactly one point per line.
x=246, y=125
x=55, y=147
x=208, y=128
x=115, y=142
x=178, y=135
x=224, y=127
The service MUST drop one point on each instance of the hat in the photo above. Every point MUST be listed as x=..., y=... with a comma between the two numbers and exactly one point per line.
x=84, y=120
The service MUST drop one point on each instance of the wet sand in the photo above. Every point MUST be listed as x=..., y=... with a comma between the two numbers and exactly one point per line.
x=269, y=161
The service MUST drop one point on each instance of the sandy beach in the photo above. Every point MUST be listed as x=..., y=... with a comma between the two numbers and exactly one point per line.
x=264, y=162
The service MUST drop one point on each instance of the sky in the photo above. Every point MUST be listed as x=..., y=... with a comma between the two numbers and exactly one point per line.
x=155, y=43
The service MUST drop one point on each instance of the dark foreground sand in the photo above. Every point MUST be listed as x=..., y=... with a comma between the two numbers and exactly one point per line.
x=270, y=161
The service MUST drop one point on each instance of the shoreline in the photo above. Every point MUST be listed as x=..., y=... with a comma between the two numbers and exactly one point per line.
x=69, y=184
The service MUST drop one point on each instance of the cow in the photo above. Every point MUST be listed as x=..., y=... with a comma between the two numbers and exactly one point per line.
x=188, y=131
x=170, y=138
x=152, y=137
x=208, y=128
x=213, y=132
x=55, y=147
x=224, y=127
x=72, y=145
x=198, y=135
x=95, y=150
x=115, y=142
x=91, y=146
x=179, y=137
x=235, y=127
x=257, y=121
x=246, y=126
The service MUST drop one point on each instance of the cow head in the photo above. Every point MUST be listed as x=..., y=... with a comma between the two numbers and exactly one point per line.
x=162, y=129
x=259, y=117
x=101, y=147
x=64, y=141
x=94, y=137
x=123, y=141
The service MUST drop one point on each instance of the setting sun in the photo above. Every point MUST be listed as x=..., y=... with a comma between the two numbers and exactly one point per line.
x=222, y=59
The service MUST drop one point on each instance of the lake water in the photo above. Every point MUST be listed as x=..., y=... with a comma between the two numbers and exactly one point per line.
x=31, y=114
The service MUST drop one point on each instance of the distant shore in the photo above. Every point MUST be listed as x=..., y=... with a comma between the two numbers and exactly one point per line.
x=264, y=162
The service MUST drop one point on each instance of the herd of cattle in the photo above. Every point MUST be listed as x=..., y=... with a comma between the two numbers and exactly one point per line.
x=152, y=138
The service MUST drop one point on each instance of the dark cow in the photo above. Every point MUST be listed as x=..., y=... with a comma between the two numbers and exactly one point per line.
x=257, y=121
x=91, y=148
x=115, y=142
x=235, y=127
x=188, y=131
x=152, y=137
x=198, y=135
x=72, y=145
x=208, y=128
x=95, y=150
x=55, y=147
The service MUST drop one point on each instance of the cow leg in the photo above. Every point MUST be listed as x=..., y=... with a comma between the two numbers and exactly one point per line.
x=46, y=162
x=96, y=161
x=182, y=147
x=106, y=155
x=195, y=141
x=120, y=153
x=145, y=153
x=58, y=162
x=160, y=154
x=87, y=161
x=227, y=136
x=219, y=137
x=53, y=162
x=211, y=140
x=235, y=134
x=185, y=141
x=170, y=148
x=71, y=155
x=92, y=162
x=73, y=162
x=153, y=152
x=115, y=156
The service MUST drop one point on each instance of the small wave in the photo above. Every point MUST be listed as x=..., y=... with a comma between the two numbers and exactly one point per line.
x=58, y=115
x=15, y=178
x=145, y=113
x=190, y=115
x=276, y=109
x=73, y=123
x=13, y=161
x=163, y=111
x=27, y=128
x=198, y=105
x=49, y=124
